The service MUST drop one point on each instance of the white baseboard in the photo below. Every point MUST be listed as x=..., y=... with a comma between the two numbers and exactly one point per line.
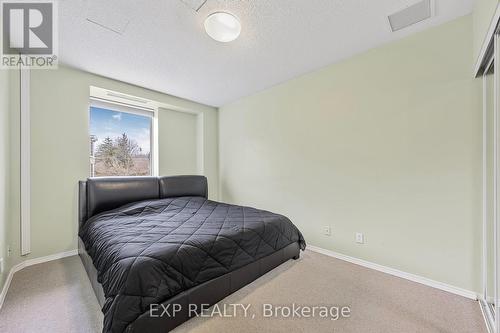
x=31, y=262
x=412, y=277
x=485, y=317
x=398, y=273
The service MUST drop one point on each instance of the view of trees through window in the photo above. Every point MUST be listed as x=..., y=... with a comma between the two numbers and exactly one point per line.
x=120, y=143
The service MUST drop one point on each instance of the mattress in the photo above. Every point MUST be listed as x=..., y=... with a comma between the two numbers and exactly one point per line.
x=149, y=251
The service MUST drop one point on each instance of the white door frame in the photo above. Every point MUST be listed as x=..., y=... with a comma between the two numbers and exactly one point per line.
x=492, y=315
x=496, y=229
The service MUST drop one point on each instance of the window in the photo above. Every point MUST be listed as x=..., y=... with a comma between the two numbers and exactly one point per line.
x=121, y=140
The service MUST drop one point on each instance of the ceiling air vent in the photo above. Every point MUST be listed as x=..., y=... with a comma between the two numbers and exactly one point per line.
x=99, y=13
x=411, y=15
x=194, y=4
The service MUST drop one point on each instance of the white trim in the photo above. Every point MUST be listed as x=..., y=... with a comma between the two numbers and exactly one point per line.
x=200, y=149
x=356, y=261
x=25, y=162
x=496, y=221
x=121, y=98
x=487, y=42
x=137, y=101
x=485, y=192
x=31, y=262
x=121, y=107
x=155, y=145
x=408, y=276
x=129, y=98
x=486, y=315
x=484, y=300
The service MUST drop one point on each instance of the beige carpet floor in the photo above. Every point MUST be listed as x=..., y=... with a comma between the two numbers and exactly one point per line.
x=56, y=297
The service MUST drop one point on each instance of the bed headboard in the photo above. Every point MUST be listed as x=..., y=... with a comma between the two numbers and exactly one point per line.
x=99, y=194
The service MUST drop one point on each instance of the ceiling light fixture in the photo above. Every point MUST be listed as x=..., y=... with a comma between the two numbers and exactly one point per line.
x=222, y=27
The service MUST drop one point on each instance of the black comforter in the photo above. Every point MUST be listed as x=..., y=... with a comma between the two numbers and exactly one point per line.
x=149, y=251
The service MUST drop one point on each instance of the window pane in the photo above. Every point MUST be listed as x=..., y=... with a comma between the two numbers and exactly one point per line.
x=120, y=143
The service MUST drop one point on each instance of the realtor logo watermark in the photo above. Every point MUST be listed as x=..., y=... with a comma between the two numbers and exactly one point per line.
x=286, y=311
x=29, y=34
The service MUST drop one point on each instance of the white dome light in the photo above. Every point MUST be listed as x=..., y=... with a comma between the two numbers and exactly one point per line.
x=223, y=27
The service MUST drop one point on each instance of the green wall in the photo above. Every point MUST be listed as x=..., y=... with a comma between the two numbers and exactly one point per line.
x=9, y=168
x=60, y=150
x=387, y=143
x=483, y=14
x=4, y=169
x=178, y=133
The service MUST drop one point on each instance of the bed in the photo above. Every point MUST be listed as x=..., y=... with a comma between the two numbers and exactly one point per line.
x=159, y=243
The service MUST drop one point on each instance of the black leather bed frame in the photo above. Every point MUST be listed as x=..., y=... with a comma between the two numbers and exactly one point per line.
x=109, y=193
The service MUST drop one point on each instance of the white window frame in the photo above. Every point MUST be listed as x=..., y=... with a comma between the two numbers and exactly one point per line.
x=133, y=109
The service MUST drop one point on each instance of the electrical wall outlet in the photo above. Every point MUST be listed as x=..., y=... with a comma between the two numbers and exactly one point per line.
x=327, y=231
x=9, y=251
x=360, y=238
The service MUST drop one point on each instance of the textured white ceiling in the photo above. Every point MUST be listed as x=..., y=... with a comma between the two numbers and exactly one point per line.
x=161, y=44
